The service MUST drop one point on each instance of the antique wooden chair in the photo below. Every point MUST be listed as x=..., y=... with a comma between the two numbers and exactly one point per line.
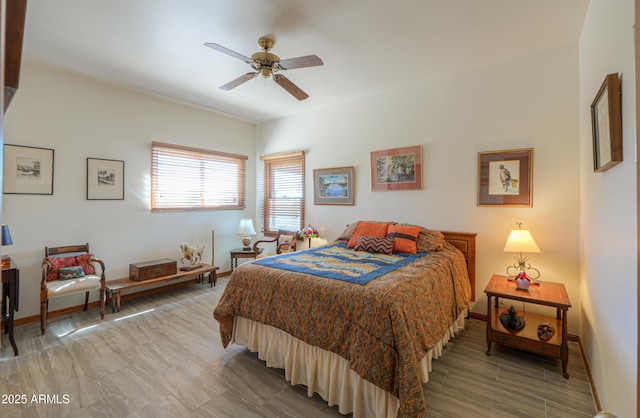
x=68, y=270
x=285, y=242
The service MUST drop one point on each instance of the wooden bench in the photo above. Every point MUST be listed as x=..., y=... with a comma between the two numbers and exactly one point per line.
x=114, y=287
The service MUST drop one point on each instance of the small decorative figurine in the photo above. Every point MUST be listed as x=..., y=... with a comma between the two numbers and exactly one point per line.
x=191, y=253
x=510, y=319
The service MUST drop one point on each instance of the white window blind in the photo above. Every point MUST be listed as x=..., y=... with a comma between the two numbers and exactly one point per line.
x=283, y=206
x=185, y=178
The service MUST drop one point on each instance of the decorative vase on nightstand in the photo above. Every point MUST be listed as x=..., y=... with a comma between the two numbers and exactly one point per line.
x=522, y=281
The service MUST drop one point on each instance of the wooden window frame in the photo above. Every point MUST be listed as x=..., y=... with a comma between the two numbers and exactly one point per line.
x=273, y=207
x=194, y=166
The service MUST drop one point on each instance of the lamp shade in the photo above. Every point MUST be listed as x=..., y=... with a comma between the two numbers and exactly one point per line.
x=6, y=236
x=246, y=227
x=309, y=232
x=521, y=241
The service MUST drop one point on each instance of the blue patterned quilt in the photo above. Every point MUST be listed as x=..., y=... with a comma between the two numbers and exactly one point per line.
x=336, y=261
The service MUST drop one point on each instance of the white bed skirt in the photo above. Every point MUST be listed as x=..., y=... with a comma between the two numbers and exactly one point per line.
x=326, y=373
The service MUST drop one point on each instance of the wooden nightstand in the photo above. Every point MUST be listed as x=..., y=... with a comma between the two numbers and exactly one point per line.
x=237, y=253
x=547, y=294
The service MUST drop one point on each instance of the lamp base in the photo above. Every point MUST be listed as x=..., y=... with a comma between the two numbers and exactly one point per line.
x=246, y=242
x=6, y=262
x=518, y=273
x=522, y=281
x=522, y=284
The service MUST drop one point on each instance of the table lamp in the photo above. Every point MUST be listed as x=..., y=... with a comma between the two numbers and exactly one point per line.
x=246, y=230
x=6, y=240
x=309, y=232
x=521, y=241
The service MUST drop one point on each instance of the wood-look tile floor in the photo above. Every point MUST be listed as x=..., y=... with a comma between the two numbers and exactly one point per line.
x=161, y=356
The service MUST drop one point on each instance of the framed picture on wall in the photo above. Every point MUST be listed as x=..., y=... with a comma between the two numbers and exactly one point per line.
x=505, y=178
x=606, y=123
x=397, y=169
x=105, y=179
x=27, y=170
x=333, y=186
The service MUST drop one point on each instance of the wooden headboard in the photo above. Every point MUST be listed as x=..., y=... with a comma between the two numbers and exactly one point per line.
x=466, y=243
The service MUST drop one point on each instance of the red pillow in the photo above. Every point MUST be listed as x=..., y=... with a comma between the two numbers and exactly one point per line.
x=56, y=263
x=404, y=238
x=83, y=260
x=368, y=229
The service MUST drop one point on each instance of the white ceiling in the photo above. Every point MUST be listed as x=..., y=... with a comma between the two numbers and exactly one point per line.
x=366, y=45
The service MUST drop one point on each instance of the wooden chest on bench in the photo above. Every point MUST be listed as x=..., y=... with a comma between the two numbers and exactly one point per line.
x=151, y=269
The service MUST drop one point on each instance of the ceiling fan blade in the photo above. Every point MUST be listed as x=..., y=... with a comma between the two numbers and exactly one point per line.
x=286, y=84
x=227, y=51
x=235, y=83
x=301, y=62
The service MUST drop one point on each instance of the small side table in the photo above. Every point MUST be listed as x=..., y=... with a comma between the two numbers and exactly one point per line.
x=237, y=253
x=549, y=294
x=10, y=297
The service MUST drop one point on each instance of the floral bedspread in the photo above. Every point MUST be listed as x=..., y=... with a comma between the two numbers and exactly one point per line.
x=383, y=328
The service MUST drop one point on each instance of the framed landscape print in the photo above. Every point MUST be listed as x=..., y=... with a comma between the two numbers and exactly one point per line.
x=606, y=123
x=505, y=178
x=397, y=169
x=333, y=186
x=27, y=170
x=105, y=179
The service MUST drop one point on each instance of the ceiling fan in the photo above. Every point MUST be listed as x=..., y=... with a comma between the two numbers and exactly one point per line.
x=269, y=65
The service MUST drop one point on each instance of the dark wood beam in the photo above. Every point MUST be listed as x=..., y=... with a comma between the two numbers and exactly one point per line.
x=15, y=20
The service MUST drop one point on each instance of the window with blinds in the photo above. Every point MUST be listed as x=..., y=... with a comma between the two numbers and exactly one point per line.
x=283, y=206
x=185, y=178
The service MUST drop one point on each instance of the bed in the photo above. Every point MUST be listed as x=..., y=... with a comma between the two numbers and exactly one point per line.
x=366, y=347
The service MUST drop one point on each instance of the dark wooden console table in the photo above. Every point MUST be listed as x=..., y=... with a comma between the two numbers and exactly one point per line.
x=10, y=297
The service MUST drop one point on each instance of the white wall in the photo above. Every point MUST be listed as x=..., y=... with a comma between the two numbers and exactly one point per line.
x=530, y=102
x=79, y=118
x=608, y=213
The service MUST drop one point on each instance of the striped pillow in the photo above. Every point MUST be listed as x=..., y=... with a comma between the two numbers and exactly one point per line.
x=375, y=245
